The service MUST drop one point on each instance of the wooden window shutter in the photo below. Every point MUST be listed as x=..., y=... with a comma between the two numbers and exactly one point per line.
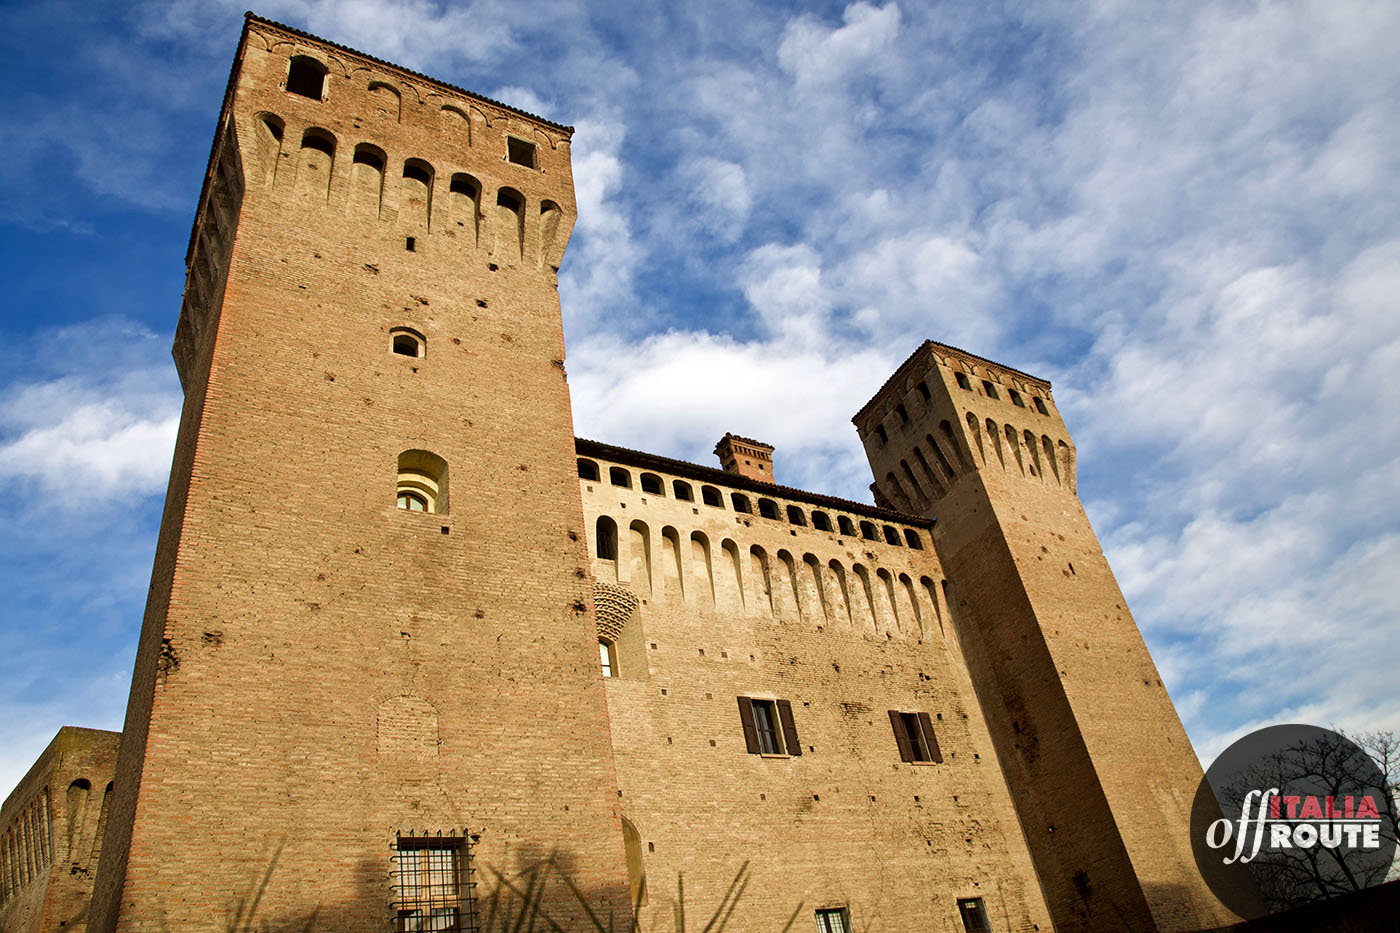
x=750, y=730
x=901, y=738
x=930, y=739
x=792, y=745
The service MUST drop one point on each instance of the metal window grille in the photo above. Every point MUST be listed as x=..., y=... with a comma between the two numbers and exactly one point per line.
x=433, y=884
x=974, y=914
x=832, y=920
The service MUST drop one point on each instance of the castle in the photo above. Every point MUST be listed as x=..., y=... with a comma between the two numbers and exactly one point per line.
x=415, y=657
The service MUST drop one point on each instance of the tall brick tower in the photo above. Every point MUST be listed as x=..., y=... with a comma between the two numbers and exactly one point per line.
x=367, y=674
x=1097, y=762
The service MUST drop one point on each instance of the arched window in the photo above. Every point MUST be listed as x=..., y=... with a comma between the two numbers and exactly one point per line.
x=307, y=77
x=711, y=496
x=892, y=536
x=911, y=538
x=510, y=223
x=422, y=485
x=620, y=477
x=821, y=521
x=408, y=342
x=464, y=205
x=587, y=469
x=846, y=526
x=741, y=502
x=795, y=516
x=605, y=543
x=869, y=532
x=367, y=179
x=651, y=483
x=681, y=490
x=768, y=508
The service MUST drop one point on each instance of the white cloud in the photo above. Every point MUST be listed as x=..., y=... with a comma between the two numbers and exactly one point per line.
x=100, y=427
x=814, y=54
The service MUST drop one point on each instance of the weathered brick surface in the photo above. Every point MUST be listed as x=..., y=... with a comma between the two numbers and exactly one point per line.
x=51, y=829
x=320, y=669
x=1098, y=764
x=846, y=823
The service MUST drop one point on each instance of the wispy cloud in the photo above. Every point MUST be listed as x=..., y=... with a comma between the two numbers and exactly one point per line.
x=1184, y=214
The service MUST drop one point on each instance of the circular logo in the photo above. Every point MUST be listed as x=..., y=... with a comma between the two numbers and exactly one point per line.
x=1291, y=814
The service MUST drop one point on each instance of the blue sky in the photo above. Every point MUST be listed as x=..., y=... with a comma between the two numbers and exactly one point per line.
x=1186, y=215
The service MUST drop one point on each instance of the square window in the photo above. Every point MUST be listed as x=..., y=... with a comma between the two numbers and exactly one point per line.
x=963, y=382
x=913, y=734
x=1040, y=405
x=520, y=152
x=769, y=728
x=974, y=915
x=833, y=920
x=429, y=893
x=990, y=389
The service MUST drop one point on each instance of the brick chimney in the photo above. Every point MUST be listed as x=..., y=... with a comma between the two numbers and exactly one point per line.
x=746, y=456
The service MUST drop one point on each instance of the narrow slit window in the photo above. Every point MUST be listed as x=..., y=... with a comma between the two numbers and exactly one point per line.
x=605, y=656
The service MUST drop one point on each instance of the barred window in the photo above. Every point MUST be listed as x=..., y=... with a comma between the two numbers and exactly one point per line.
x=432, y=884
x=833, y=920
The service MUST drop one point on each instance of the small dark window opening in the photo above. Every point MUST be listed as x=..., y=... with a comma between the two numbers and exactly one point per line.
x=417, y=173
x=461, y=184
x=880, y=430
x=821, y=521
x=274, y=126
x=587, y=469
x=911, y=537
x=892, y=536
x=1040, y=405
x=990, y=389
x=963, y=382
x=768, y=508
x=741, y=502
x=606, y=542
x=509, y=201
x=312, y=139
x=923, y=391
x=651, y=483
x=795, y=516
x=846, y=525
x=366, y=156
x=306, y=77
x=974, y=915
x=681, y=490
x=410, y=244
x=407, y=345
x=711, y=496
x=620, y=477
x=1016, y=398
x=520, y=152
x=869, y=532
x=903, y=415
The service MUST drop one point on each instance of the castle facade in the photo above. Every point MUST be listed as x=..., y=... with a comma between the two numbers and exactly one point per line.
x=415, y=657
